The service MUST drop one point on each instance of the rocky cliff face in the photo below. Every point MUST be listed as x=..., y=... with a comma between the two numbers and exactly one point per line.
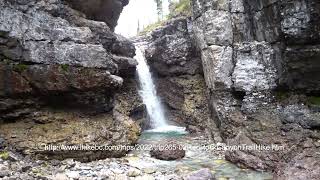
x=261, y=64
x=60, y=71
x=176, y=66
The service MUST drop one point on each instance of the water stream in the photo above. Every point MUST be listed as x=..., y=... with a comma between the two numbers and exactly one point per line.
x=148, y=92
x=195, y=159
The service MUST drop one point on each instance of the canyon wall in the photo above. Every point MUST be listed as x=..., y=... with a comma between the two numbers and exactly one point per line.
x=254, y=66
x=63, y=73
x=261, y=66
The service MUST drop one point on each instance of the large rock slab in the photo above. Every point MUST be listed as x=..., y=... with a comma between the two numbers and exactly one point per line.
x=254, y=69
x=101, y=10
x=172, y=51
x=60, y=84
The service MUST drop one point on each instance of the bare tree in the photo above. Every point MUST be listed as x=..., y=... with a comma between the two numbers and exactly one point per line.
x=159, y=9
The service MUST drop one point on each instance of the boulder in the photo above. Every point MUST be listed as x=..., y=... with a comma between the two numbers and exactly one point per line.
x=126, y=65
x=168, y=151
x=123, y=47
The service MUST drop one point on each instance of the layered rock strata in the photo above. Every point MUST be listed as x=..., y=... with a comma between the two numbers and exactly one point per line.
x=60, y=72
x=261, y=63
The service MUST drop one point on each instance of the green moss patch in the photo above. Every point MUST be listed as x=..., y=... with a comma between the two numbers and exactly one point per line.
x=314, y=100
x=282, y=95
x=4, y=155
x=20, y=67
x=64, y=67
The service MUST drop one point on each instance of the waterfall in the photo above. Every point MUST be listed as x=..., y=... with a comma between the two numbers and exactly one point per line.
x=148, y=92
x=149, y=96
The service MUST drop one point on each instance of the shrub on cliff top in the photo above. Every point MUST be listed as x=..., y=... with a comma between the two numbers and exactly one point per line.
x=180, y=8
x=177, y=8
x=152, y=27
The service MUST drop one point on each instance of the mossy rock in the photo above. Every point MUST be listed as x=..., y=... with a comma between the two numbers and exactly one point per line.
x=4, y=155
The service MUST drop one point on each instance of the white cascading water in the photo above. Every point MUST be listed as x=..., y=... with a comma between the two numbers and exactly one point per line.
x=149, y=96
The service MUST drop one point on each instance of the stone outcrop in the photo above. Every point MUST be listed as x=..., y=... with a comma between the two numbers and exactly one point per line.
x=176, y=65
x=60, y=72
x=261, y=63
x=100, y=10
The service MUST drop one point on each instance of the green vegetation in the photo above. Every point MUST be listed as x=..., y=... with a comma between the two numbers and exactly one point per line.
x=180, y=8
x=64, y=67
x=4, y=155
x=314, y=100
x=15, y=66
x=282, y=95
x=152, y=27
x=177, y=8
x=20, y=67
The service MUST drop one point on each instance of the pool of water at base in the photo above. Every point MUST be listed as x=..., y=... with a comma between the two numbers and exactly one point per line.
x=195, y=159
